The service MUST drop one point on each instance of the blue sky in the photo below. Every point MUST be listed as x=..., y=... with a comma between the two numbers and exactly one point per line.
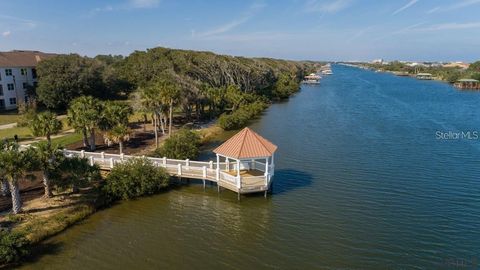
x=293, y=29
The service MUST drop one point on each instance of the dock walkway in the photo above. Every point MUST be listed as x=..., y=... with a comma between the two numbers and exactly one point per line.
x=254, y=176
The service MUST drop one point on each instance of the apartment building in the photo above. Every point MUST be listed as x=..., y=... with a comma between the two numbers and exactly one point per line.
x=17, y=73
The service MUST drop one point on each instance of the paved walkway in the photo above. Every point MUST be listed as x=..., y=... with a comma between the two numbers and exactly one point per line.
x=62, y=134
x=7, y=126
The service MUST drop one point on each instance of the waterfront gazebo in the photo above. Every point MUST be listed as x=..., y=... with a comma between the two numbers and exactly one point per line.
x=424, y=76
x=468, y=84
x=249, y=159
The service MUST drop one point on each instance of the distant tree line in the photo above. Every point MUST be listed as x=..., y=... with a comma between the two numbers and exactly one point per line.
x=65, y=77
x=449, y=74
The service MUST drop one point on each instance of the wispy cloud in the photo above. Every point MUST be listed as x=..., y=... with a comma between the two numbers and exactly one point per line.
x=323, y=6
x=433, y=10
x=422, y=27
x=26, y=23
x=403, y=30
x=252, y=11
x=449, y=26
x=10, y=24
x=128, y=5
x=406, y=6
x=251, y=37
x=360, y=33
x=457, y=5
x=144, y=3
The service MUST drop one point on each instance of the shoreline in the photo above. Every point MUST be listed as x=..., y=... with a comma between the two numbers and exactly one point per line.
x=45, y=218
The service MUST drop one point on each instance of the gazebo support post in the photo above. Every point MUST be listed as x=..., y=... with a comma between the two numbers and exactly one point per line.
x=218, y=168
x=238, y=168
x=239, y=179
x=266, y=171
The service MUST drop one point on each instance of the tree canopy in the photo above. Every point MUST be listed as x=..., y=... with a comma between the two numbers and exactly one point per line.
x=64, y=77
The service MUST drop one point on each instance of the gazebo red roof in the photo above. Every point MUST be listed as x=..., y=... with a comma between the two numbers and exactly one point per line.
x=246, y=144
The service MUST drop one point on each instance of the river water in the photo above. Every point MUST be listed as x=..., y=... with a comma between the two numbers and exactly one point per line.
x=363, y=181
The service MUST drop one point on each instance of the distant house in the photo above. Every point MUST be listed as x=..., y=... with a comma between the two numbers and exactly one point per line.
x=467, y=84
x=424, y=76
x=17, y=72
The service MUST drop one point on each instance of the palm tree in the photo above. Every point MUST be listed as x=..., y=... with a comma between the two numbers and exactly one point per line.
x=84, y=115
x=49, y=159
x=115, y=113
x=15, y=164
x=169, y=94
x=151, y=101
x=45, y=124
x=75, y=120
x=119, y=134
x=5, y=191
x=115, y=122
x=4, y=188
x=79, y=171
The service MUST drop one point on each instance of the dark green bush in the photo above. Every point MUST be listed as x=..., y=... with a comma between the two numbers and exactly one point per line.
x=13, y=246
x=242, y=116
x=285, y=86
x=135, y=178
x=182, y=145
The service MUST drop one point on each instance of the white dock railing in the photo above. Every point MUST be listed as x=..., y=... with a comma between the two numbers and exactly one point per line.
x=204, y=170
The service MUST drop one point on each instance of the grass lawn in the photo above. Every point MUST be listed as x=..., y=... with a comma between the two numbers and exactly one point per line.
x=67, y=139
x=23, y=133
x=9, y=117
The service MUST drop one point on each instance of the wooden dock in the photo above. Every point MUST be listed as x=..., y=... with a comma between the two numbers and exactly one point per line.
x=253, y=176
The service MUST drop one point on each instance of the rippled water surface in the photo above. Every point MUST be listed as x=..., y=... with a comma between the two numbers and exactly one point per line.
x=362, y=182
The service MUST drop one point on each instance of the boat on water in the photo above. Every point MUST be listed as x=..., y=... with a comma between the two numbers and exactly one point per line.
x=326, y=69
x=327, y=72
x=312, y=78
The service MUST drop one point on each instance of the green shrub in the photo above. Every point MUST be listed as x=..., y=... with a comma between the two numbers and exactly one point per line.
x=242, y=116
x=135, y=178
x=182, y=145
x=13, y=246
x=285, y=86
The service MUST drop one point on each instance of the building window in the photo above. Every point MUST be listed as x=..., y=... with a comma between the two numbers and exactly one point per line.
x=13, y=101
x=34, y=73
x=25, y=85
x=1, y=90
x=10, y=87
x=8, y=72
x=23, y=71
x=2, y=104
